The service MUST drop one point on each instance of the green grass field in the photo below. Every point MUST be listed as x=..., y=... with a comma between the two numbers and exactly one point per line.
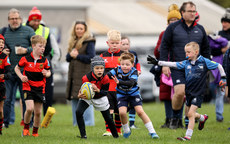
x=61, y=130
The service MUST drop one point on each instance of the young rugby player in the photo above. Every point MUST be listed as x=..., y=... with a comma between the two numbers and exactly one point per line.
x=36, y=69
x=196, y=68
x=100, y=83
x=4, y=74
x=111, y=58
x=128, y=93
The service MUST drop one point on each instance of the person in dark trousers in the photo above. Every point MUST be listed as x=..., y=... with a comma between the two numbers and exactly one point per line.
x=17, y=39
x=176, y=36
x=100, y=84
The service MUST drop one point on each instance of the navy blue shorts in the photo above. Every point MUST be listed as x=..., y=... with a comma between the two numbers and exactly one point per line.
x=178, y=76
x=132, y=100
x=2, y=91
x=194, y=100
x=36, y=96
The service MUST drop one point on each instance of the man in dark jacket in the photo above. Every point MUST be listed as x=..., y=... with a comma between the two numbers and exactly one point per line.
x=176, y=36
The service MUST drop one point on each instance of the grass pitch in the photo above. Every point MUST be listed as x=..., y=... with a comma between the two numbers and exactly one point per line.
x=61, y=131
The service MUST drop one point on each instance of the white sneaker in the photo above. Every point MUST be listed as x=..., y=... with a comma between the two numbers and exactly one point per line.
x=133, y=127
x=107, y=133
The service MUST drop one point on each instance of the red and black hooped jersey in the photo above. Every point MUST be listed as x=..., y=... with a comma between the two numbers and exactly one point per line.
x=33, y=70
x=112, y=60
x=4, y=63
x=102, y=83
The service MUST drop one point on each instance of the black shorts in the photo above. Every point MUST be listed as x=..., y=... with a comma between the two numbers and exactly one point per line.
x=194, y=100
x=112, y=97
x=129, y=100
x=2, y=91
x=36, y=96
x=178, y=76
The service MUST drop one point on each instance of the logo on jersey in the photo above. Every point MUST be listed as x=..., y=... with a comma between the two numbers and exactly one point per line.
x=41, y=66
x=189, y=67
x=30, y=65
x=201, y=66
x=119, y=75
x=195, y=31
x=106, y=61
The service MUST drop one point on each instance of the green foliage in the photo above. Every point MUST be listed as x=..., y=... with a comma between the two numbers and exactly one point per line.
x=223, y=3
x=61, y=131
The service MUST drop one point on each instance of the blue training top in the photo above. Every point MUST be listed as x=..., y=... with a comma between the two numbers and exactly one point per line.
x=196, y=74
x=127, y=82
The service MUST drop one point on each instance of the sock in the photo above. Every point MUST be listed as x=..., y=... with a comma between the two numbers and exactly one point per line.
x=132, y=116
x=118, y=122
x=126, y=128
x=106, y=124
x=35, y=130
x=27, y=126
x=131, y=119
x=1, y=122
x=176, y=113
x=150, y=128
x=186, y=121
x=189, y=133
x=201, y=118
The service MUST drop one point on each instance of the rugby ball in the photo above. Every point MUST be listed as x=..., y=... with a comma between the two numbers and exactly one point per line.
x=87, y=89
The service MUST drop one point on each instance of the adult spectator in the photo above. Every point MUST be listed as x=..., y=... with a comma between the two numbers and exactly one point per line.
x=18, y=41
x=225, y=33
x=81, y=50
x=52, y=52
x=174, y=39
x=166, y=88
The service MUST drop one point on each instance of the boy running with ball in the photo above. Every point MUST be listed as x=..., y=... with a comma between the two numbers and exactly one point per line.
x=36, y=70
x=100, y=83
x=196, y=68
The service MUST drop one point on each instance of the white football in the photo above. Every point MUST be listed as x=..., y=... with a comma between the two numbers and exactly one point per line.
x=87, y=89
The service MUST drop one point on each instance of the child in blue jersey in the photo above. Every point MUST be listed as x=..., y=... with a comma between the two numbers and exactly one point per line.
x=125, y=46
x=196, y=68
x=126, y=77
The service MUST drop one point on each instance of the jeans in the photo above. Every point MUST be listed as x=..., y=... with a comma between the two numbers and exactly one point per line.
x=11, y=88
x=88, y=114
x=219, y=100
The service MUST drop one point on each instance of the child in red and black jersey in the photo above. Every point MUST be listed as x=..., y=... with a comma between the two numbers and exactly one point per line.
x=4, y=74
x=36, y=69
x=100, y=83
x=111, y=58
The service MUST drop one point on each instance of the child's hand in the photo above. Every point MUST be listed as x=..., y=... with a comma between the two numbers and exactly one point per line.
x=74, y=53
x=95, y=88
x=81, y=95
x=139, y=72
x=115, y=79
x=44, y=72
x=24, y=78
x=1, y=76
x=21, y=51
x=222, y=83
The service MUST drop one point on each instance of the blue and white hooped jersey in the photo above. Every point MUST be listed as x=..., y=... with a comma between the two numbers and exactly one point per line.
x=123, y=90
x=196, y=74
